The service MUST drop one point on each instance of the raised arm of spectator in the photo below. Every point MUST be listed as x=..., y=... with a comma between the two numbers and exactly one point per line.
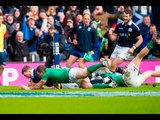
x=116, y=15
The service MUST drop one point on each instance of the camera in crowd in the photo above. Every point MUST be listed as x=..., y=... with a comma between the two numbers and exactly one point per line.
x=43, y=48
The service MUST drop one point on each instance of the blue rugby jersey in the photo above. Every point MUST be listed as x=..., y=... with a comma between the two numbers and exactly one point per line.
x=127, y=34
x=86, y=36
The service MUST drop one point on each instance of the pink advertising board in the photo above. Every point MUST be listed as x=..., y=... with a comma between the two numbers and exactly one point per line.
x=12, y=74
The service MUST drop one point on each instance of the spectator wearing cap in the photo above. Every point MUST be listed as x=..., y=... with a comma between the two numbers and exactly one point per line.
x=85, y=40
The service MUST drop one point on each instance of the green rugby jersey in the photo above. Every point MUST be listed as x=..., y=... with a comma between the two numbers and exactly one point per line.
x=55, y=75
x=116, y=77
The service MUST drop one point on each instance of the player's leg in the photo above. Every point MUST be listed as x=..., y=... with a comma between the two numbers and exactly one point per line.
x=131, y=76
x=1, y=69
x=144, y=76
x=115, y=63
x=2, y=62
x=150, y=73
x=137, y=60
x=83, y=73
x=81, y=63
x=85, y=83
x=72, y=59
x=119, y=54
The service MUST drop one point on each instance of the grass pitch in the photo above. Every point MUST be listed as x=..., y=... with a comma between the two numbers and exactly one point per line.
x=81, y=104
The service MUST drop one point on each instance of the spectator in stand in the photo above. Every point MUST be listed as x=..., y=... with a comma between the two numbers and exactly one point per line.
x=51, y=11
x=32, y=31
x=144, y=29
x=62, y=18
x=101, y=16
x=50, y=21
x=42, y=21
x=83, y=33
x=11, y=25
x=69, y=26
x=35, y=12
x=3, y=31
x=79, y=19
x=17, y=17
x=139, y=12
x=155, y=51
x=129, y=38
x=71, y=13
x=64, y=52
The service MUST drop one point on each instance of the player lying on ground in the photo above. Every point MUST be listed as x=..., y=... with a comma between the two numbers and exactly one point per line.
x=131, y=76
x=30, y=73
x=62, y=75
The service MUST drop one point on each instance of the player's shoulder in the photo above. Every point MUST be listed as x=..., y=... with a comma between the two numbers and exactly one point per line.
x=134, y=25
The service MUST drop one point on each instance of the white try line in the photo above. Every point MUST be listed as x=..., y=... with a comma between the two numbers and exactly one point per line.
x=76, y=94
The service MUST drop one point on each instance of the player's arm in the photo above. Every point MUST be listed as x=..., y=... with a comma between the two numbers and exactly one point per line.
x=137, y=44
x=38, y=85
x=139, y=41
x=112, y=36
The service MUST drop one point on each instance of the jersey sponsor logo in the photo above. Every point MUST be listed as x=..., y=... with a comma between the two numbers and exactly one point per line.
x=130, y=30
x=89, y=29
x=80, y=27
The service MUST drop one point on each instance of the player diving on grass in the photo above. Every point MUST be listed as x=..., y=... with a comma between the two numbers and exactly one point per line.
x=63, y=75
x=30, y=73
x=131, y=76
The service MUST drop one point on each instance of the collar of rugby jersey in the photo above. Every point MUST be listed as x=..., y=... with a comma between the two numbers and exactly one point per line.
x=129, y=23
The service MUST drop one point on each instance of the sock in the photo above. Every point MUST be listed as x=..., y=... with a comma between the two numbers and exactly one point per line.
x=100, y=86
x=150, y=45
x=69, y=85
x=93, y=68
x=96, y=81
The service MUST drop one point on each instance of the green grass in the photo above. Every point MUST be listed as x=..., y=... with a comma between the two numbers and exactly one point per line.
x=82, y=105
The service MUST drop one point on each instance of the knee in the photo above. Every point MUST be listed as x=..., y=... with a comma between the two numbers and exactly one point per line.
x=81, y=65
x=86, y=86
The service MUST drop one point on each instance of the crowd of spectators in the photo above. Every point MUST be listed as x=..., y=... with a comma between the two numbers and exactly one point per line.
x=28, y=26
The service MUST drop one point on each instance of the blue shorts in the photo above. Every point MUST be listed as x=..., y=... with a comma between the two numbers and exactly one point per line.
x=77, y=54
x=2, y=59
